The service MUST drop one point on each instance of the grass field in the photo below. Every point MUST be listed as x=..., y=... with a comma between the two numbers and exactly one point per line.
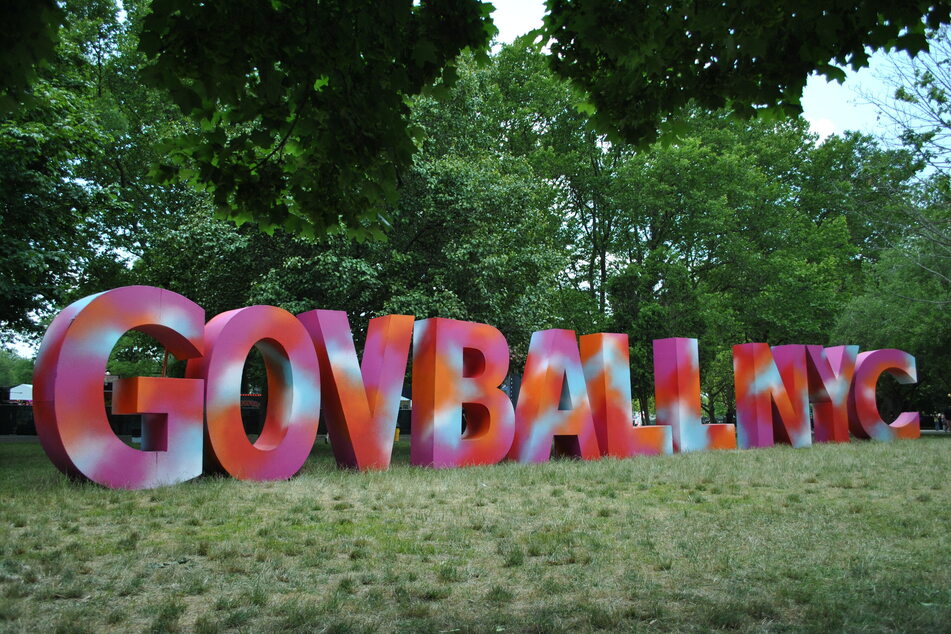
x=848, y=537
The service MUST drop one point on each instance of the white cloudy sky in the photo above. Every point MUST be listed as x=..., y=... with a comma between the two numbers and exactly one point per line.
x=829, y=108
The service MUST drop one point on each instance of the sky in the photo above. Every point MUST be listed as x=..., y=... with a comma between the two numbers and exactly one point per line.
x=830, y=108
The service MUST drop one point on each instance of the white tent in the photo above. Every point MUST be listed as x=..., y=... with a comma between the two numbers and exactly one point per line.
x=22, y=392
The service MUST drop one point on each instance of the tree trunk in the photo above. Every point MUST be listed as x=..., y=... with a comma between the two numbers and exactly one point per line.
x=643, y=399
x=602, y=300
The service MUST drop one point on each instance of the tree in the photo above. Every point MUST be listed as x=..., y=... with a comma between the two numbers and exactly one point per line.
x=303, y=105
x=35, y=28
x=904, y=306
x=14, y=369
x=136, y=119
x=302, y=131
x=739, y=232
x=76, y=204
x=46, y=210
x=473, y=236
x=536, y=121
x=212, y=262
x=735, y=232
x=920, y=103
x=921, y=111
x=642, y=62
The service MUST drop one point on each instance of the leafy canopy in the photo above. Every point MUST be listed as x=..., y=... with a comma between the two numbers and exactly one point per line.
x=641, y=62
x=302, y=105
x=301, y=111
x=27, y=44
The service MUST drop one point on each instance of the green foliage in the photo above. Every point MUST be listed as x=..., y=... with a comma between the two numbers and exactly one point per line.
x=44, y=207
x=516, y=213
x=32, y=28
x=906, y=299
x=14, y=369
x=512, y=210
x=642, y=62
x=904, y=305
x=209, y=261
x=718, y=243
x=737, y=232
x=468, y=242
x=302, y=105
x=298, y=113
x=137, y=354
x=474, y=235
x=75, y=204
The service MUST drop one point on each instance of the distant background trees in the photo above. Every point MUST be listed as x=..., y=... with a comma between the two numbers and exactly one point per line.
x=14, y=370
x=489, y=192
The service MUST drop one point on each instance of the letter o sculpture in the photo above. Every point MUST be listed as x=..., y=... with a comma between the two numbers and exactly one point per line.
x=290, y=426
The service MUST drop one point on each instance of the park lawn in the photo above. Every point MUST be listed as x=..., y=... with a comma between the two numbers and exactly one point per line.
x=843, y=537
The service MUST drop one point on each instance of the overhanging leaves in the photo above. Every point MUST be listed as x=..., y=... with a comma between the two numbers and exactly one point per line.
x=302, y=104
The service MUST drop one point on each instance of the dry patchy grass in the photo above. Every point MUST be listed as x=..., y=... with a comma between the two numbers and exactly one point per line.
x=848, y=537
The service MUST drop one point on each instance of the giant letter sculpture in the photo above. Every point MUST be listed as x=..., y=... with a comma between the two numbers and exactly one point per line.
x=864, y=419
x=677, y=397
x=772, y=395
x=68, y=382
x=607, y=371
x=830, y=375
x=458, y=367
x=361, y=401
x=553, y=364
x=580, y=401
x=293, y=381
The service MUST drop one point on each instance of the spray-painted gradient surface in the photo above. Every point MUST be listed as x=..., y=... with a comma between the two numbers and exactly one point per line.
x=677, y=397
x=458, y=366
x=864, y=419
x=553, y=365
x=772, y=395
x=830, y=377
x=577, y=400
x=68, y=402
x=361, y=401
x=607, y=371
x=293, y=381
